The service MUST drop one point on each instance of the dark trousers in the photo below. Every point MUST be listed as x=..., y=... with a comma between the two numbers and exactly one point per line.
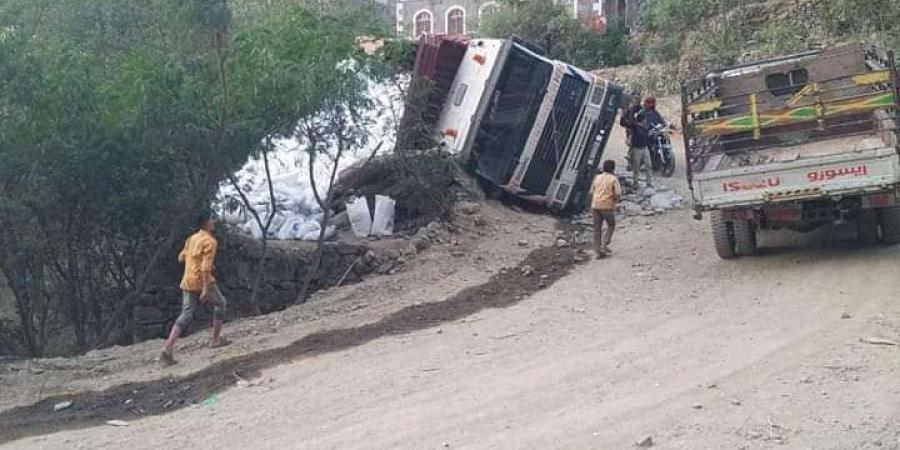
x=602, y=237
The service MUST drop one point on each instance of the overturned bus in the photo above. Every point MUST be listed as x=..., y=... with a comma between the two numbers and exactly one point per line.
x=528, y=125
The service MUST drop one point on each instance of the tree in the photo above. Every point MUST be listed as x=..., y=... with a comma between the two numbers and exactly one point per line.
x=81, y=148
x=865, y=19
x=560, y=35
x=337, y=129
x=269, y=57
x=117, y=123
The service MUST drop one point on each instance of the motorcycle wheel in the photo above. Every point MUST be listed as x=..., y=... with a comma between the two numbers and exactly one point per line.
x=669, y=169
x=655, y=162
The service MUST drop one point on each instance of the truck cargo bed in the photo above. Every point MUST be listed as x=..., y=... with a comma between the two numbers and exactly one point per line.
x=817, y=125
x=796, y=152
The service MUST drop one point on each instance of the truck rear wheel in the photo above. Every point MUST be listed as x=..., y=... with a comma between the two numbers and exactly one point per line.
x=723, y=236
x=867, y=225
x=744, y=237
x=890, y=225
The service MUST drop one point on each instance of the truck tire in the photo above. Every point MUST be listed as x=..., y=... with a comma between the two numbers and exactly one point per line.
x=723, y=236
x=890, y=225
x=744, y=237
x=867, y=226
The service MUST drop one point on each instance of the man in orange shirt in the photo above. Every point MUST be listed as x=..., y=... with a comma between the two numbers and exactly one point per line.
x=198, y=284
x=606, y=192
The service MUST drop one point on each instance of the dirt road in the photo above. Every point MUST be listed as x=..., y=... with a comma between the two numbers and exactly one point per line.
x=662, y=341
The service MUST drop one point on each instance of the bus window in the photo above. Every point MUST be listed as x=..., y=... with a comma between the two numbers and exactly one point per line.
x=460, y=94
x=599, y=92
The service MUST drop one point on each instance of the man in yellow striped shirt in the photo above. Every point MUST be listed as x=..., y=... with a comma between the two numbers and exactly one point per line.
x=606, y=193
x=198, y=285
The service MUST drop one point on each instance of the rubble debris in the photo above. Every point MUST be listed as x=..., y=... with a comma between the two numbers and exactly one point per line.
x=845, y=315
x=62, y=406
x=878, y=341
x=436, y=232
x=666, y=200
x=469, y=208
x=630, y=208
x=646, y=442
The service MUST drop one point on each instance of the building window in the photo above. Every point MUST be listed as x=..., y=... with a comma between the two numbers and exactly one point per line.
x=456, y=21
x=424, y=22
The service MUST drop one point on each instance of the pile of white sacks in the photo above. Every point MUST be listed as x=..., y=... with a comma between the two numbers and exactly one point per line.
x=298, y=215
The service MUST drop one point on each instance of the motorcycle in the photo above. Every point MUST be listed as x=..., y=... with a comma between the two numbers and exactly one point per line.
x=662, y=157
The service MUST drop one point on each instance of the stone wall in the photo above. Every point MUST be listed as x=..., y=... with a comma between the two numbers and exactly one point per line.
x=7, y=302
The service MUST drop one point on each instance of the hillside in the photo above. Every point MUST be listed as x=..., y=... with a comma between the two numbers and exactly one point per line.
x=679, y=39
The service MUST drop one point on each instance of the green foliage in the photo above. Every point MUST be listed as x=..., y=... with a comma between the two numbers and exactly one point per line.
x=868, y=20
x=725, y=47
x=553, y=28
x=117, y=119
x=774, y=39
x=725, y=31
x=674, y=16
x=616, y=47
x=658, y=47
x=668, y=23
x=425, y=186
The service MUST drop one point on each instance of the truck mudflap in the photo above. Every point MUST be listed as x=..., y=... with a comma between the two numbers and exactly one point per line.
x=869, y=171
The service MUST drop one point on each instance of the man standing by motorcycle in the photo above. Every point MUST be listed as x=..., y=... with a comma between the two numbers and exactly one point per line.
x=647, y=119
x=651, y=117
x=633, y=120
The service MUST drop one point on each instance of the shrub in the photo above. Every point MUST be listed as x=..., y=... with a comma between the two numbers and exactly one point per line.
x=553, y=28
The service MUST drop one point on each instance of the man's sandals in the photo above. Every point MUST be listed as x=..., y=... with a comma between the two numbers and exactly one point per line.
x=222, y=343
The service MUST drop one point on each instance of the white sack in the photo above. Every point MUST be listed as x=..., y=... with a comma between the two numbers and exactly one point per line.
x=385, y=209
x=360, y=220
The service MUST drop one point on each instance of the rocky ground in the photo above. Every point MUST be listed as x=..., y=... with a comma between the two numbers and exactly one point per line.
x=662, y=343
x=504, y=335
x=484, y=241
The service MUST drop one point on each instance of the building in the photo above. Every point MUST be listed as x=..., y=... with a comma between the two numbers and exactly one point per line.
x=417, y=17
x=625, y=12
